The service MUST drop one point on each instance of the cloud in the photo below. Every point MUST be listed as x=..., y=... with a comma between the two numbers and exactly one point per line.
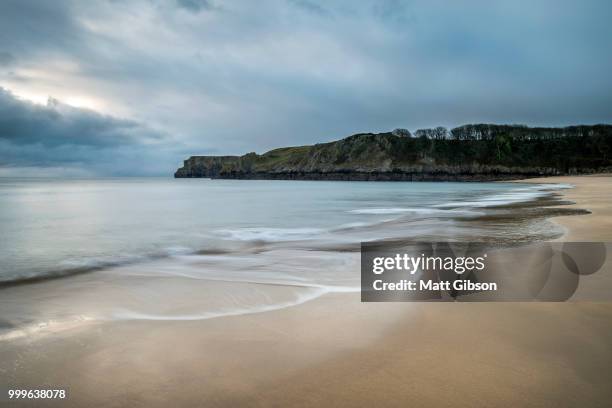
x=310, y=6
x=194, y=5
x=57, y=135
x=238, y=75
x=6, y=58
x=57, y=124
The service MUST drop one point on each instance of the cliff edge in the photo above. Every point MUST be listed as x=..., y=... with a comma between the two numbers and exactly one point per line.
x=471, y=152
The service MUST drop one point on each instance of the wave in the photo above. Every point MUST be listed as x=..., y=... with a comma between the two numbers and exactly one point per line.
x=398, y=210
x=11, y=280
x=360, y=225
x=55, y=325
x=78, y=266
x=270, y=234
x=309, y=292
x=314, y=292
x=393, y=211
x=256, y=277
x=556, y=186
x=517, y=195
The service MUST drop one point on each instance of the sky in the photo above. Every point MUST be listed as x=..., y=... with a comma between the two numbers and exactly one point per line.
x=115, y=88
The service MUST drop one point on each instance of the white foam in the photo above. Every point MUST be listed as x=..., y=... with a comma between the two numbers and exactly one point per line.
x=314, y=293
x=178, y=250
x=46, y=327
x=556, y=186
x=271, y=234
x=517, y=195
x=396, y=210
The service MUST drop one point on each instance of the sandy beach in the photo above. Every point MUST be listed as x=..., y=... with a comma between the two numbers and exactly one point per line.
x=593, y=193
x=336, y=351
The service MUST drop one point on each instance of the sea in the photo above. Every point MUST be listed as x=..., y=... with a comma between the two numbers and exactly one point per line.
x=76, y=250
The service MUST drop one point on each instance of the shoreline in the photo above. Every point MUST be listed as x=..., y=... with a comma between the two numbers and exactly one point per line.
x=435, y=177
x=335, y=350
x=596, y=226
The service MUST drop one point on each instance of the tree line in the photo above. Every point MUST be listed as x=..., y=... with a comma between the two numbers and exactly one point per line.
x=485, y=131
x=572, y=147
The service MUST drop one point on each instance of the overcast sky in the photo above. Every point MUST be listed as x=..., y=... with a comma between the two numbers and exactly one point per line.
x=137, y=86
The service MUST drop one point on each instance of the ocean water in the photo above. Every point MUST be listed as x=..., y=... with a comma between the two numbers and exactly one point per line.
x=197, y=248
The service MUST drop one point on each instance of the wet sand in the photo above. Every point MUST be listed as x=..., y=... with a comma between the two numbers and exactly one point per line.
x=593, y=193
x=336, y=351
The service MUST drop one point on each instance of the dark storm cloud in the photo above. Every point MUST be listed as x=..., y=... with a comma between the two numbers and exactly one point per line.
x=55, y=124
x=56, y=134
x=236, y=76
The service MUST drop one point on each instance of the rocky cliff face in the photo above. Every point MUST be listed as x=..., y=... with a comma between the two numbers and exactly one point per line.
x=205, y=166
x=227, y=168
x=386, y=156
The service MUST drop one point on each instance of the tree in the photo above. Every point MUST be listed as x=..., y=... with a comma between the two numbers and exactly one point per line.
x=440, y=133
x=502, y=147
x=401, y=132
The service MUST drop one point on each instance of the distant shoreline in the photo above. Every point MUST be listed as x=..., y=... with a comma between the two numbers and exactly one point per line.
x=385, y=176
x=482, y=152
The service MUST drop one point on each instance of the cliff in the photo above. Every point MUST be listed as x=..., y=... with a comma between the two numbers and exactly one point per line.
x=471, y=152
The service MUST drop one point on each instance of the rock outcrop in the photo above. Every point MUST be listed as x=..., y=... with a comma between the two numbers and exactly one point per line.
x=387, y=156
